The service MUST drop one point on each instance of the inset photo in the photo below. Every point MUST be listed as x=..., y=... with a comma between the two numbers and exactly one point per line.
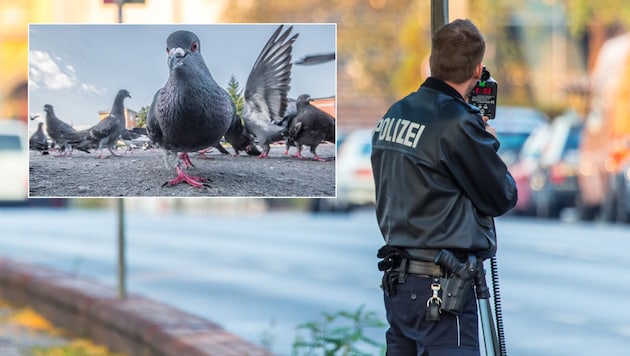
x=181, y=110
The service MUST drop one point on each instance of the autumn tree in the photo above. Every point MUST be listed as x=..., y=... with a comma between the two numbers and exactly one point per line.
x=370, y=55
x=596, y=21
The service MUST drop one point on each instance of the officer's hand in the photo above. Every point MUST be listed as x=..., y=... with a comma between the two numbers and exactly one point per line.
x=489, y=128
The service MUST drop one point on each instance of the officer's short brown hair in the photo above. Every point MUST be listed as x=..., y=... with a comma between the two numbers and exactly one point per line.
x=457, y=49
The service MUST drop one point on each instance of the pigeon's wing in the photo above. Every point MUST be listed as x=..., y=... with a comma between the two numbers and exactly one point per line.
x=269, y=80
x=294, y=130
x=33, y=142
x=153, y=125
x=104, y=128
x=64, y=127
x=129, y=134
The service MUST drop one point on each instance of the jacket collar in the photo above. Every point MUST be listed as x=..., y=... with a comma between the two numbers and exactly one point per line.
x=437, y=84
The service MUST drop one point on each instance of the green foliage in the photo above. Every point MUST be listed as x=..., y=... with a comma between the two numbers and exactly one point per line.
x=142, y=116
x=340, y=334
x=236, y=93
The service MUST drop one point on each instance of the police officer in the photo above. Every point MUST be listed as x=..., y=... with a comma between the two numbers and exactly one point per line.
x=439, y=185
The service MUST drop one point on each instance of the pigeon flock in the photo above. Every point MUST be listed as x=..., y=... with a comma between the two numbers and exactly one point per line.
x=192, y=113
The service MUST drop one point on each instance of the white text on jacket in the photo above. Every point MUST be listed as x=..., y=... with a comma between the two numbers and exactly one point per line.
x=399, y=131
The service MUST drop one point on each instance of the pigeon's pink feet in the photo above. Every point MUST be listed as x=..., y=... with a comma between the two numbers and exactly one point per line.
x=202, y=153
x=298, y=155
x=182, y=176
x=186, y=160
x=264, y=155
x=318, y=158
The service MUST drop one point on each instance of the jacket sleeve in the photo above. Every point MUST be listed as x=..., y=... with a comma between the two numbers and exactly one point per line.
x=471, y=157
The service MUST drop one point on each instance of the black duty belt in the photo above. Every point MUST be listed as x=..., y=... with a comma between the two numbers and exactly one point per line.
x=421, y=268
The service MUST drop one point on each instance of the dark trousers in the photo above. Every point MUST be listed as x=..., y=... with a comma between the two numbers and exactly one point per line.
x=410, y=334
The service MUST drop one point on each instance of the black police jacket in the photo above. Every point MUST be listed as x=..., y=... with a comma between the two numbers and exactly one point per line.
x=439, y=180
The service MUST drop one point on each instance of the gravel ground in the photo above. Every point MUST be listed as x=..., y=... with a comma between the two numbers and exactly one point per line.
x=142, y=174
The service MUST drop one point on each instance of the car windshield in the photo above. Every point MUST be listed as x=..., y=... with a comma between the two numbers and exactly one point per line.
x=573, y=140
x=512, y=141
x=10, y=143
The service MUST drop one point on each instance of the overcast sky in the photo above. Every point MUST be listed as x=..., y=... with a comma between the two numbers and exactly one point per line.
x=79, y=68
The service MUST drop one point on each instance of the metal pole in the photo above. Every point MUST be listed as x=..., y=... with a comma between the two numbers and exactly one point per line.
x=120, y=12
x=439, y=14
x=122, y=267
x=488, y=329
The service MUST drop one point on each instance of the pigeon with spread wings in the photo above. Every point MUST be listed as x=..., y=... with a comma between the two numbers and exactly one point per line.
x=266, y=90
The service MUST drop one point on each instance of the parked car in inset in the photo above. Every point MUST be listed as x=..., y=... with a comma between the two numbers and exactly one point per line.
x=553, y=184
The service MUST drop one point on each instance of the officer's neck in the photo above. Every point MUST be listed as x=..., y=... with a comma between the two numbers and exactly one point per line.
x=463, y=88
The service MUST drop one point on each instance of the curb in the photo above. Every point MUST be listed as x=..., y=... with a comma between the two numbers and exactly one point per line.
x=136, y=326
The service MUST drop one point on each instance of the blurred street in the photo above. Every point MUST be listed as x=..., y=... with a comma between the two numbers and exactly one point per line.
x=261, y=275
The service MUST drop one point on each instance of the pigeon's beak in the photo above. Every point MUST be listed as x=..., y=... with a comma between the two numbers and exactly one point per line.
x=175, y=57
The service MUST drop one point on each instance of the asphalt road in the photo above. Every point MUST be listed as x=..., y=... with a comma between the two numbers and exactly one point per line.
x=142, y=174
x=563, y=284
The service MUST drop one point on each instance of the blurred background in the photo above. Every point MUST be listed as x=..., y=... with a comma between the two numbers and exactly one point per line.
x=563, y=68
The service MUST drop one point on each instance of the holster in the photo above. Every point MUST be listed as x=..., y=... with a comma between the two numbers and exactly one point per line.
x=457, y=286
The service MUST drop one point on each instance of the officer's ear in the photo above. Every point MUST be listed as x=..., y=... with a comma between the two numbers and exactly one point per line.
x=478, y=71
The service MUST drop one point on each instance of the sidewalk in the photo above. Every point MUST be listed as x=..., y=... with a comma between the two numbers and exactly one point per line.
x=135, y=325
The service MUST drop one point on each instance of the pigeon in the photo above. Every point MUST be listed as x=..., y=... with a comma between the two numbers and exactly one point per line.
x=191, y=112
x=240, y=138
x=106, y=133
x=310, y=127
x=38, y=141
x=128, y=136
x=266, y=90
x=64, y=136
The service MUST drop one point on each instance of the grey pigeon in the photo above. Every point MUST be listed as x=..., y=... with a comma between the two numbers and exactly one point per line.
x=240, y=139
x=64, y=136
x=266, y=90
x=310, y=127
x=38, y=140
x=129, y=136
x=106, y=133
x=191, y=112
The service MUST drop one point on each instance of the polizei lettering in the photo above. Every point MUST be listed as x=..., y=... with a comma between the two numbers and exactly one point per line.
x=401, y=131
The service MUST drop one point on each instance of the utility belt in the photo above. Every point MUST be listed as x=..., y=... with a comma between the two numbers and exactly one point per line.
x=421, y=268
x=452, y=277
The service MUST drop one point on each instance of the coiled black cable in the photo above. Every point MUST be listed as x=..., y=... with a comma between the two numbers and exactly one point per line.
x=498, y=313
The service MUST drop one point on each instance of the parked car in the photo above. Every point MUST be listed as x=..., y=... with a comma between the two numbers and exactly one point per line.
x=553, y=184
x=355, y=183
x=525, y=167
x=13, y=162
x=514, y=124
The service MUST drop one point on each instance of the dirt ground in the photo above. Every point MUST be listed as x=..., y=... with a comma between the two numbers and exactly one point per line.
x=143, y=172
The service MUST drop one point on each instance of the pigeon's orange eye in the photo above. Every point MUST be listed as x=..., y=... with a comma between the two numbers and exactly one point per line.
x=194, y=47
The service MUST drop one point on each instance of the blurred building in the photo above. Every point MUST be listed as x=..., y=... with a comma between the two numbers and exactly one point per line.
x=131, y=117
